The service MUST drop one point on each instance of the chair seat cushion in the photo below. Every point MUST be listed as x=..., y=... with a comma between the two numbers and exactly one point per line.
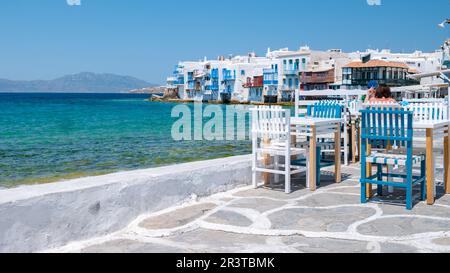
x=392, y=159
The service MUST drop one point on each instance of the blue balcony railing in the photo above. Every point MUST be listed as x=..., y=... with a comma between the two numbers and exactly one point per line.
x=215, y=86
x=291, y=71
x=270, y=82
x=214, y=73
x=229, y=78
x=180, y=79
x=270, y=71
x=228, y=75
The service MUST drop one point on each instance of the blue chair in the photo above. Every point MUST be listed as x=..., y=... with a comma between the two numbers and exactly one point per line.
x=380, y=128
x=323, y=109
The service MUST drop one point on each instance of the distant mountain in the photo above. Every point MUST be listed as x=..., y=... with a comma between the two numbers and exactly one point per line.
x=82, y=82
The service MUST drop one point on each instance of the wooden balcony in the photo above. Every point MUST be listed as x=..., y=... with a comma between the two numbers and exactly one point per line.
x=318, y=77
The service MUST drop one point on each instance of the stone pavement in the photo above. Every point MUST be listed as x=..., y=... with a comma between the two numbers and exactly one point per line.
x=246, y=220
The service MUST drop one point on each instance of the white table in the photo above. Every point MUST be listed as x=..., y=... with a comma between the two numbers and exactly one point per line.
x=315, y=128
x=434, y=130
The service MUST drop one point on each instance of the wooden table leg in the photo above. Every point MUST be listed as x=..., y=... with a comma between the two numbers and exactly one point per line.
x=312, y=159
x=430, y=168
x=369, y=173
x=337, y=154
x=353, y=142
x=447, y=162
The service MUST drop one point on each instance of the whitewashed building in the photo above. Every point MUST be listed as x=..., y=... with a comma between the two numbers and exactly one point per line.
x=417, y=61
x=282, y=71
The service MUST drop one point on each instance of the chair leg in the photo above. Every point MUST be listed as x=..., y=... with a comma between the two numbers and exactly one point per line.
x=254, y=160
x=288, y=182
x=346, y=148
x=409, y=190
x=380, y=178
x=423, y=184
x=308, y=170
x=363, y=193
x=363, y=176
x=287, y=170
x=409, y=204
x=390, y=188
x=318, y=161
x=277, y=176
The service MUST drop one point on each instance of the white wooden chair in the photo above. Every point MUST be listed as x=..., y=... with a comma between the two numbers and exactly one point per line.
x=425, y=110
x=425, y=100
x=353, y=115
x=271, y=136
x=354, y=106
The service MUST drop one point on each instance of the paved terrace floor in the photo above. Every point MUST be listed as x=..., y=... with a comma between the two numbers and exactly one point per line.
x=247, y=220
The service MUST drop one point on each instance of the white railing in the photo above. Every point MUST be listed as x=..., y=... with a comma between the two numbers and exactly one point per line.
x=428, y=111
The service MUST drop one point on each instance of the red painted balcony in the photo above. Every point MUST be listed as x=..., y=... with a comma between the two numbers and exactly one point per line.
x=257, y=81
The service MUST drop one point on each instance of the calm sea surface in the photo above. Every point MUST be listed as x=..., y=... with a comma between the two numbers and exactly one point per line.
x=51, y=137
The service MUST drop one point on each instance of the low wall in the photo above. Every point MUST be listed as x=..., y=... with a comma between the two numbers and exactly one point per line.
x=34, y=218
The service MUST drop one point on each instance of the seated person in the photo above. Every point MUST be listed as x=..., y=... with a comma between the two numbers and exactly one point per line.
x=382, y=94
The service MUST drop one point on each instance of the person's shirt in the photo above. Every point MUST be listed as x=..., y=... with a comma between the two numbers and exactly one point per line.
x=382, y=100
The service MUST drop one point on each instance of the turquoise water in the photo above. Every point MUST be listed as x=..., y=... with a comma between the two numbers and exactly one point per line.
x=51, y=137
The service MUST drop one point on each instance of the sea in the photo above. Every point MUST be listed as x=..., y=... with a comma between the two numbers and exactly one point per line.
x=49, y=137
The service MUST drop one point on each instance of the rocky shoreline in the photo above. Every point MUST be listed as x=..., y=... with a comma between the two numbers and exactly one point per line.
x=155, y=98
x=149, y=90
x=171, y=96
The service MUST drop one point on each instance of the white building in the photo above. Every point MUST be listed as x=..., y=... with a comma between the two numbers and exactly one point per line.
x=289, y=64
x=282, y=70
x=417, y=61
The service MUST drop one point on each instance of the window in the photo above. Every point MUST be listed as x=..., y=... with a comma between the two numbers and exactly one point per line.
x=297, y=82
x=242, y=72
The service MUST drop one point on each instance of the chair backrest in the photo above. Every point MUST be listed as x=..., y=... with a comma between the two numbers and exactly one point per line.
x=383, y=126
x=428, y=111
x=425, y=100
x=271, y=122
x=354, y=106
x=326, y=109
x=381, y=104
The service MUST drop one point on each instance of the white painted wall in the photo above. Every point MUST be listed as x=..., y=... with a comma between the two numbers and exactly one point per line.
x=34, y=218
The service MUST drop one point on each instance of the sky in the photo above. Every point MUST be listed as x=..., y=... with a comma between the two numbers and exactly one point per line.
x=46, y=39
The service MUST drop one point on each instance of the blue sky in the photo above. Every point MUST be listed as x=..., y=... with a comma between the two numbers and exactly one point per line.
x=45, y=39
